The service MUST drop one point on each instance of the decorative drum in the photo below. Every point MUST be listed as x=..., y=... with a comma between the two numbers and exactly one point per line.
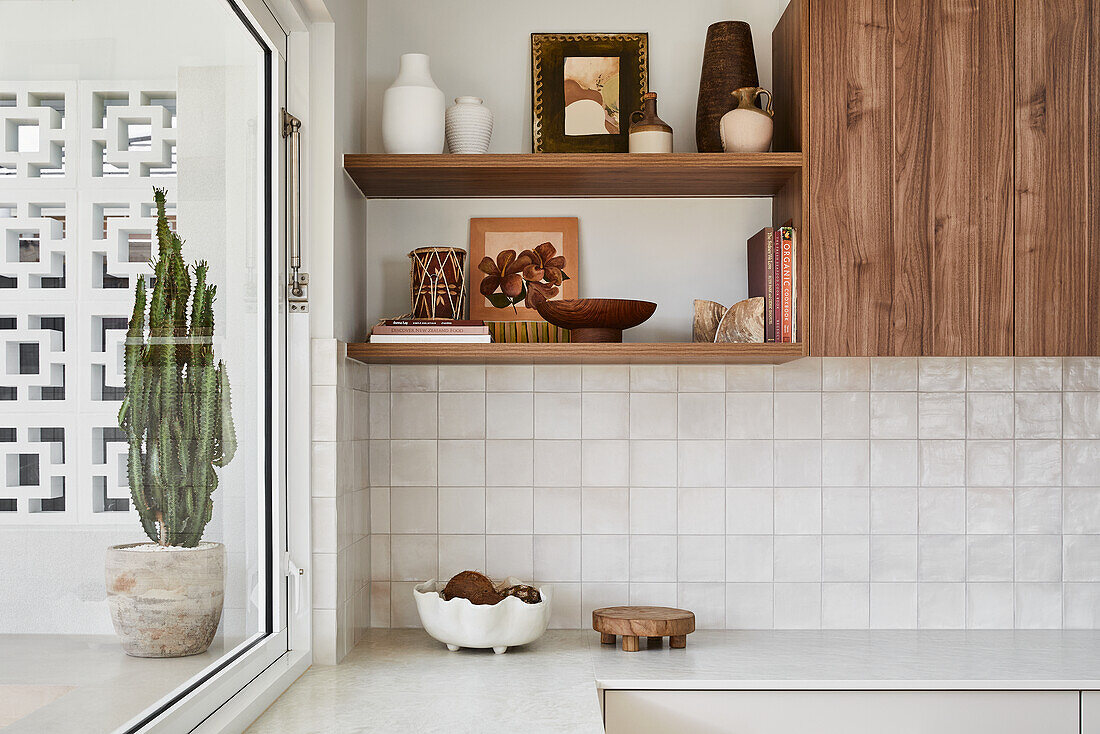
x=438, y=283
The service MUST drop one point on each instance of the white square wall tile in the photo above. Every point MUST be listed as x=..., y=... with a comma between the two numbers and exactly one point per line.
x=378, y=375
x=652, y=415
x=701, y=558
x=1082, y=510
x=605, y=415
x=462, y=415
x=796, y=606
x=413, y=510
x=700, y=463
x=749, y=415
x=990, y=415
x=942, y=510
x=1038, y=463
x=700, y=378
x=413, y=415
x=460, y=553
x=749, y=510
x=1081, y=414
x=557, y=415
x=602, y=594
x=1081, y=558
x=653, y=558
x=557, y=463
x=797, y=557
x=652, y=378
x=941, y=558
x=566, y=611
x=379, y=509
x=1038, y=373
x=461, y=510
x=845, y=510
x=845, y=606
x=414, y=557
x=797, y=510
x=557, y=558
x=846, y=558
x=509, y=415
x=701, y=415
x=893, y=510
x=412, y=463
x=461, y=463
x=1081, y=373
x=749, y=606
x=845, y=415
x=707, y=600
x=939, y=374
x=893, y=558
x=845, y=373
x=749, y=558
x=701, y=510
x=749, y=377
x=380, y=557
x=605, y=377
x=651, y=463
x=461, y=378
x=941, y=415
x=509, y=555
x=893, y=606
x=323, y=469
x=1038, y=606
x=605, y=510
x=414, y=378
x=557, y=510
x=941, y=606
x=1082, y=606
x=893, y=414
x=1038, y=415
x=989, y=373
x=894, y=373
x=557, y=377
x=845, y=462
x=800, y=375
x=509, y=510
x=1080, y=462
x=943, y=463
x=797, y=414
x=989, y=558
x=749, y=463
x=1038, y=558
x=989, y=510
x=796, y=463
x=989, y=606
x=605, y=558
x=653, y=510
x=509, y=463
x=1037, y=510
x=509, y=378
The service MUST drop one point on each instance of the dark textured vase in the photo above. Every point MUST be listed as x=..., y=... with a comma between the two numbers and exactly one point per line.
x=729, y=63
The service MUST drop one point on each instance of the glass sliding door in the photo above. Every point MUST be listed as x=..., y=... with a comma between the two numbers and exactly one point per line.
x=101, y=101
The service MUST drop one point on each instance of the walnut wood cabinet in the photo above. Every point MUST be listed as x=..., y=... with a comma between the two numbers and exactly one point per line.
x=954, y=165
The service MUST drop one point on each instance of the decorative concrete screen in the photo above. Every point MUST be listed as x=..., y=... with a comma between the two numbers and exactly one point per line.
x=77, y=166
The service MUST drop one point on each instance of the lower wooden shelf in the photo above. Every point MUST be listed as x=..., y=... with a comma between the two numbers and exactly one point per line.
x=629, y=353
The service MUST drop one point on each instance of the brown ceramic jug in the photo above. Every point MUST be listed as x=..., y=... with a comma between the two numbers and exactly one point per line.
x=747, y=128
x=648, y=132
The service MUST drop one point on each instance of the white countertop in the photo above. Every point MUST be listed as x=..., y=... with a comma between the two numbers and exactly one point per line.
x=402, y=680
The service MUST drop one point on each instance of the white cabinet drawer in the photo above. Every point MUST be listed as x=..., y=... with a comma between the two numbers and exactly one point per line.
x=844, y=712
x=1090, y=712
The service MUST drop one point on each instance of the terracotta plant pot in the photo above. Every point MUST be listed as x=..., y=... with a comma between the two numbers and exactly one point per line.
x=165, y=602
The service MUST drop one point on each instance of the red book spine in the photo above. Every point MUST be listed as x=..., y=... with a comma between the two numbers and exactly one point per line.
x=777, y=280
x=787, y=285
x=769, y=293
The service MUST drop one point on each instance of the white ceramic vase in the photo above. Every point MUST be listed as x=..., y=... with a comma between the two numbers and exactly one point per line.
x=413, y=109
x=469, y=126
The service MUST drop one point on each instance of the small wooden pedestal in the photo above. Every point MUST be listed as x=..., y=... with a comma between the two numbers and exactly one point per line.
x=653, y=623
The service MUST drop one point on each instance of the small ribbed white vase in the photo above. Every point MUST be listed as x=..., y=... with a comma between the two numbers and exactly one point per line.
x=469, y=126
x=413, y=109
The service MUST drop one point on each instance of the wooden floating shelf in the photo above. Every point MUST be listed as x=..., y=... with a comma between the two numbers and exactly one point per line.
x=636, y=353
x=571, y=174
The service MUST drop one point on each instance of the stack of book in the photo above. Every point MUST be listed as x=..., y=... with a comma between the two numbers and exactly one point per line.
x=773, y=275
x=411, y=331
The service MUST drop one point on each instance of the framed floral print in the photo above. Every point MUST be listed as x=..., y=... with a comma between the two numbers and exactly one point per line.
x=510, y=258
x=585, y=87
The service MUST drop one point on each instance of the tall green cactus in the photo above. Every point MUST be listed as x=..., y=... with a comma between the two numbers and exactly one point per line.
x=177, y=413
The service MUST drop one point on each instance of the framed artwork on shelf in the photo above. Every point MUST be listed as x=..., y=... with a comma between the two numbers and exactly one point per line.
x=510, y=258
x=585, y=87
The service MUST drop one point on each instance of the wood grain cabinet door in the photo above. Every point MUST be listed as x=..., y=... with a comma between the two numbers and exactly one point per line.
x=1058, y=177
x=911, y=163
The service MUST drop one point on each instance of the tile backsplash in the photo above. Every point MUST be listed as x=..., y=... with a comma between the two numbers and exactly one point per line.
x=824, y=493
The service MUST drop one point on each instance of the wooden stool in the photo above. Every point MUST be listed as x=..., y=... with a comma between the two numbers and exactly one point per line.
x=653, y=623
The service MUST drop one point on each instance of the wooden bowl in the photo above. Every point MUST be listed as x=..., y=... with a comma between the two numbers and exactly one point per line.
x=595, y=319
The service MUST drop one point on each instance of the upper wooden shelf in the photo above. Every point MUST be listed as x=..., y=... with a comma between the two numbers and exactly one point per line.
x=628, y=353
x=571, y=174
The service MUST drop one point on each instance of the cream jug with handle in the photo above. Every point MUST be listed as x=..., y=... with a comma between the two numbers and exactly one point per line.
x=747, y=128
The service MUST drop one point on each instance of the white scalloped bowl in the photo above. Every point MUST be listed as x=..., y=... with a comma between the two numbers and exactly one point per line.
x=461, y=623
